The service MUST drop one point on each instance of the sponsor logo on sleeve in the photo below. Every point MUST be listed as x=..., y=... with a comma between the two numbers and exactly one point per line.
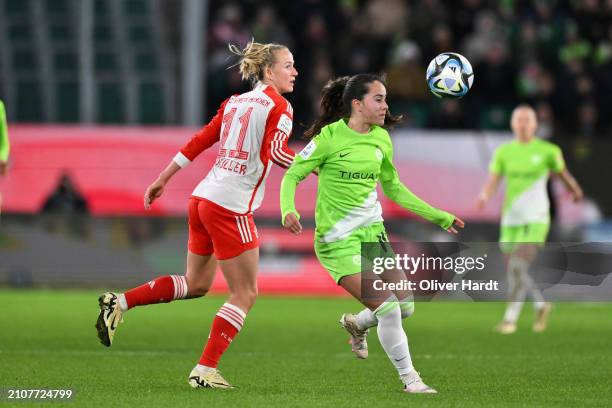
x=308, y=150
x=285, y=124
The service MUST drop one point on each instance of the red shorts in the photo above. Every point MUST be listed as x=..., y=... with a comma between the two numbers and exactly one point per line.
x=214, y=229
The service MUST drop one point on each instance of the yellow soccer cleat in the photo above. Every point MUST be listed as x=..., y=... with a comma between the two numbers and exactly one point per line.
x=208, y=379
x=359, y=344
x=109, y=318
x=413, y=384
x=505, y=327
x=542, y=318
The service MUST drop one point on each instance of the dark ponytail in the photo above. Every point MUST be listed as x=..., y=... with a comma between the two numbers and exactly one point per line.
x=331, y=108
x=336, y=98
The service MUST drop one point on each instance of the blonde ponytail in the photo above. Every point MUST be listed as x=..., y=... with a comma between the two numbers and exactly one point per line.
x=254, y=59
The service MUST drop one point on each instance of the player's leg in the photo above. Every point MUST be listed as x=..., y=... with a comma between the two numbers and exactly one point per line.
x=195, y=283
x=366, y=319
x=358, y=324
x=536, y=236
x=517, y=291
x=200, y=271
x=343, y=261
x=237, y=248
x=509, y=240
x=201, y=266
x=391, y=334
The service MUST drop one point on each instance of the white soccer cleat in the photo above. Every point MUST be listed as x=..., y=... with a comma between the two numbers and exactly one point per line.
x=359, y=344
x=413, y=384
x=542, y=318
x=505, y=327
x=208, y=379
x=109, y=318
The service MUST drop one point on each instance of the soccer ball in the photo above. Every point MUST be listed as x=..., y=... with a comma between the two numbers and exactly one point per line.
x=449, y=75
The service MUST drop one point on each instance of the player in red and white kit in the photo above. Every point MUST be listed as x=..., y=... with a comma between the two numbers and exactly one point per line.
x=252, y=130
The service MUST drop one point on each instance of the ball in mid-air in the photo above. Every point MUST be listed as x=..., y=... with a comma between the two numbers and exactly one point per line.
x=449, y=75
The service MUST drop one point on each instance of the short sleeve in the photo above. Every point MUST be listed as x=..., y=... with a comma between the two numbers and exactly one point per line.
x=496, y=166
x=556, y=162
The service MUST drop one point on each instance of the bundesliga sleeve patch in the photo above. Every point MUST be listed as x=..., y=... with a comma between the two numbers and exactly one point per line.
x=285, y=124
x=308, y=150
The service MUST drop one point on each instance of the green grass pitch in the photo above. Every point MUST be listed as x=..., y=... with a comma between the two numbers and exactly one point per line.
x=292, y=352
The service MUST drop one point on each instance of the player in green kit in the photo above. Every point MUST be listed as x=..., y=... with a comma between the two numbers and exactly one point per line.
x=526, y=163
x=353, y=152
x=4, y=145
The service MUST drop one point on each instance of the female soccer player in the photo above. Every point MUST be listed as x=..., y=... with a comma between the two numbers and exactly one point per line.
x=252, y=130
x=526, y=163
x=353, y=151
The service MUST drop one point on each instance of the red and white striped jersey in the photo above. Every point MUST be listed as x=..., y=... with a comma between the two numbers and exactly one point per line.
x=253, y=129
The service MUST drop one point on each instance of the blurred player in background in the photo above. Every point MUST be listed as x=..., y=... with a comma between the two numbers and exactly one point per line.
x=252, y=130
x=526, y=163
x=4, y=146
x=352, y=155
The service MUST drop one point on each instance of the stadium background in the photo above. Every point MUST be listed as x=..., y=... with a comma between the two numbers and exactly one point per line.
x=101, y=93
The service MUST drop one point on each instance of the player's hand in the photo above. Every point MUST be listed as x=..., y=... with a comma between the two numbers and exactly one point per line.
x=3, y=168
x=292, y=223
x=154, y=191
x=577, y=195
x=457, y=223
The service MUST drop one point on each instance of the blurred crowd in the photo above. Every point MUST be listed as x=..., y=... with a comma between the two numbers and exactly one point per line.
x=556, y=55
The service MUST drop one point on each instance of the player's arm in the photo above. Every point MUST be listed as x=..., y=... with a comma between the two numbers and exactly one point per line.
x=202, y=140
x=304, y=163
x=399, y=193
x=559, y=169
x=4, y=141
x=571, y=184
x=488, y=190
x=496, y=169
x=278, y=129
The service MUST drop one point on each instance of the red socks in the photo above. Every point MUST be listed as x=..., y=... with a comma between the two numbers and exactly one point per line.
x=160, y=290
x=226, y=324
x=225, y=327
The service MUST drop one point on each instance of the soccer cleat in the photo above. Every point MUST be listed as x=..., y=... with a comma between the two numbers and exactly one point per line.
x=413, y=384
x=208, y=379
x=359, y=344
x=109, y=318
x=505, y=327
x=542, y=318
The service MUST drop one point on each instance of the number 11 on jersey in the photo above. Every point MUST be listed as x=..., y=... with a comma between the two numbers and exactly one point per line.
x=228, y=118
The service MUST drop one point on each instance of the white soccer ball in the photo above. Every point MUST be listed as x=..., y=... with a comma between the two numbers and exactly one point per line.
x=449, y=75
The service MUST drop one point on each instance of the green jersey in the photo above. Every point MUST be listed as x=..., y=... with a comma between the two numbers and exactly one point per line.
x=526, y=167
x=4, y=142
x=350, y=166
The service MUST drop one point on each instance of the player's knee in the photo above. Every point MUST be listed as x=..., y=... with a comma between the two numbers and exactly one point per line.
x=198, y=290
x=388, y=311
x=245, y=297
x=251, y=296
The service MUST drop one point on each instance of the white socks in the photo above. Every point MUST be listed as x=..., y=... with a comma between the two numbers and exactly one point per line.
x=202, y=369
x=123, y=306
x=392, y=336
x=520, y=283
x=366, y=318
